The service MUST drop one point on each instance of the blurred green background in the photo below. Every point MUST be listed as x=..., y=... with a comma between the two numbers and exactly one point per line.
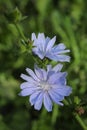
x=67, y=19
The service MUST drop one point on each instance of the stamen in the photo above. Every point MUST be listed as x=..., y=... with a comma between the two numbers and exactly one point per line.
x=44, y=85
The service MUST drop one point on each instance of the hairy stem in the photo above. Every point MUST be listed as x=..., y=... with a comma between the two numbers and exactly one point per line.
x=20, y=31
x=80, y=121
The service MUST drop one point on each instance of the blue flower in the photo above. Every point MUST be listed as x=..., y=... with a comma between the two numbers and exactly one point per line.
x=45, y=86
x=44, y=47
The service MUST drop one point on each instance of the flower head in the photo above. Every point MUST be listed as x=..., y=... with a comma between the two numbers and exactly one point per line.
x=44, y=47
x=45, y=86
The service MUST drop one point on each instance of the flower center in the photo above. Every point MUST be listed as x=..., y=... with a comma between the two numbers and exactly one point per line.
x=44, y=85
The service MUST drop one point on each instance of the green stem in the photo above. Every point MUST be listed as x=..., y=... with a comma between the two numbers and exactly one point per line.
x=80, y=121
x=20, y=31
x=66, y=102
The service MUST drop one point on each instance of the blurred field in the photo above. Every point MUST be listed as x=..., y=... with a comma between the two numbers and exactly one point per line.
x=68, y=21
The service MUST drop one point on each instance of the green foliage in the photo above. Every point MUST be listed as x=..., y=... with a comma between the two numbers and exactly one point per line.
x=18, y=19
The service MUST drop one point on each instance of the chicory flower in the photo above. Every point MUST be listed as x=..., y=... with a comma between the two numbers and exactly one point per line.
x=45, y=86
x=44, y=47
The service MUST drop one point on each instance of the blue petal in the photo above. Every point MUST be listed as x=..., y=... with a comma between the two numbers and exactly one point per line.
x=56, y=76
x=63, y=51
x=38, y=72
x=60, y=46
x=47, y=40
x=36, y=43
x=52, y=78
x=65, y=91
x=26, y=85
x=44, y=74
x=34, y=97
x=32, y=74
x=51, y=43
x=41, y=40
x=45, y=45
x=38, y=103
x=49, y=68
x=33, y=37
x=27, y=78
x=63, y=58
x=27, y=91
x=58, y=67
x=55, y=96
x=51, y=56
x=59, y=52
x=50, y=73
x=61, y=79
x=55, y=57
x=47, y=102
x=38, y=52
x=41, y=37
